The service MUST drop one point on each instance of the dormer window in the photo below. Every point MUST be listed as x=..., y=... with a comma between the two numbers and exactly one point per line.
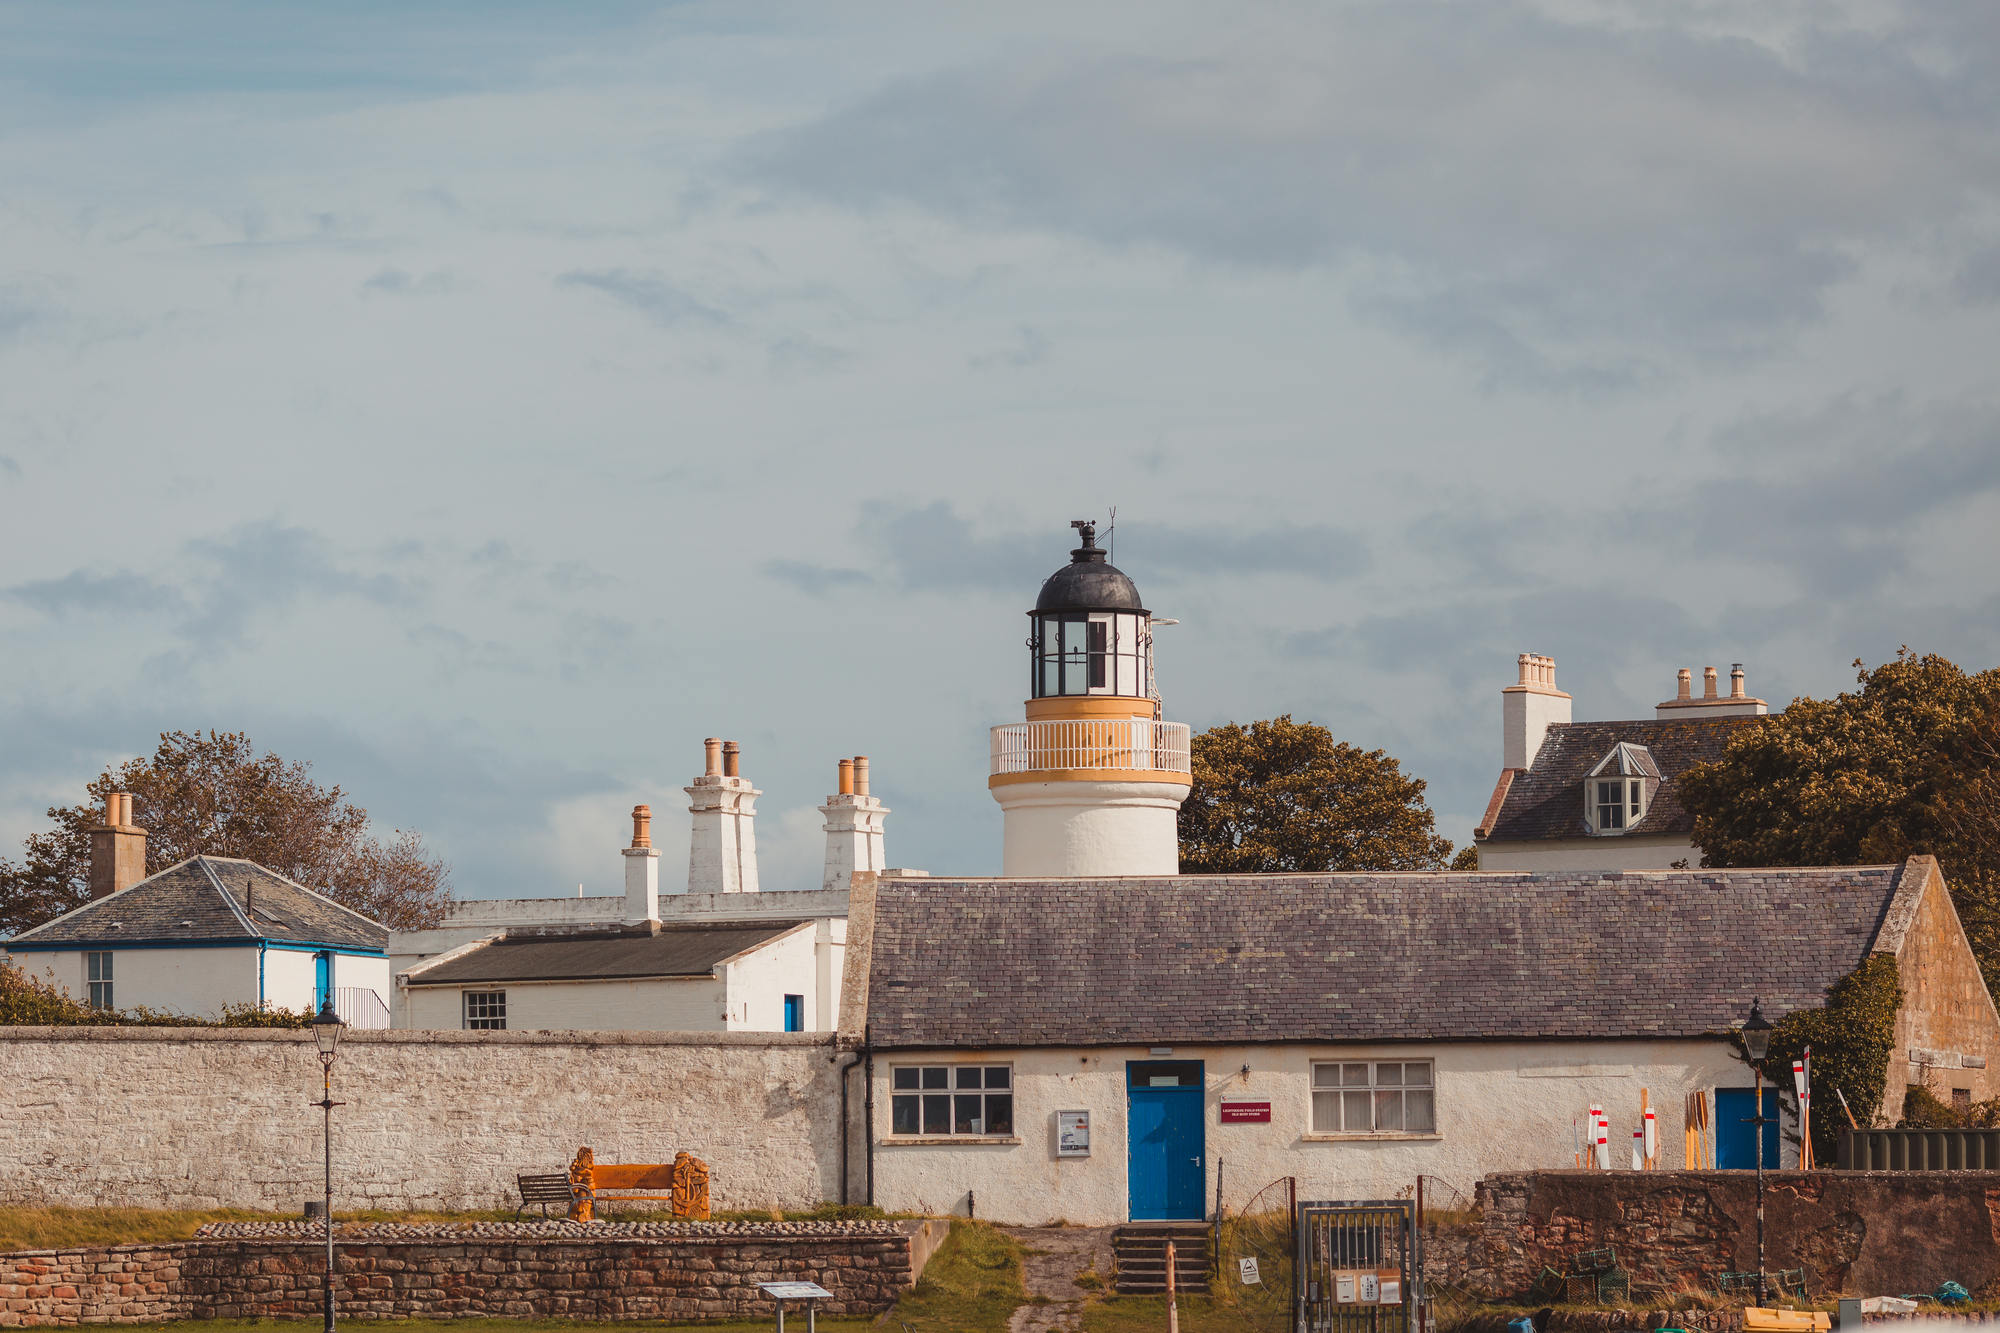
x=1618, y=790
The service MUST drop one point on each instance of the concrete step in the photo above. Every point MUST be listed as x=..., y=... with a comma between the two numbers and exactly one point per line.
x=1141, y=1251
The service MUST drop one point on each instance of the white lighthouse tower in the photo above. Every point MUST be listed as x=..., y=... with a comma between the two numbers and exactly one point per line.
x=1092, y=782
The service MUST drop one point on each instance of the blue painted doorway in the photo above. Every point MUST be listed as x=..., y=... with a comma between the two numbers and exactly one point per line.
x=795, y=1013
x=322, y=980
x=1164, y=1129
x=1735, y=1140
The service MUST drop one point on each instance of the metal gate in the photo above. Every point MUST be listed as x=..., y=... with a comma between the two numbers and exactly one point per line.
x=1356, y=1268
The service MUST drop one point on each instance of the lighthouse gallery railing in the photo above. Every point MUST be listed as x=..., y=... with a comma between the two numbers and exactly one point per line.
x=1126, y=744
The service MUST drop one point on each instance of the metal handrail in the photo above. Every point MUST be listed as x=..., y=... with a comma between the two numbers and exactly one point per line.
x=1126, y=744
x=360, y=1007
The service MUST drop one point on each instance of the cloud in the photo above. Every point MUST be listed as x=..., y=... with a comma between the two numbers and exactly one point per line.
x=1030, y=348
x=9, y=468
x=650, y=294
x=1569, y=204
x=801, y=355
x=814, y=580
x=225, y=582
x=397, y=282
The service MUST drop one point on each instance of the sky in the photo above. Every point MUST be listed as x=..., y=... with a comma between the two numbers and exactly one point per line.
x=486, y=402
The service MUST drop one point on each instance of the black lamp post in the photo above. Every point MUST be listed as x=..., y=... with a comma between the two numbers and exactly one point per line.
x=1757, y=1045
x=326, y=1026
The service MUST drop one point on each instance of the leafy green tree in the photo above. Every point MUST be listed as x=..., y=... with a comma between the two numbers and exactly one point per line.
x=214, y=794
x=1467, y=858
x=1852, y=1036
x=1907, y=764
x=1282, y=796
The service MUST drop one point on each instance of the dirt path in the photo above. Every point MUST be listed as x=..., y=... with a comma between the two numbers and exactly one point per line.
x=1056, y=1257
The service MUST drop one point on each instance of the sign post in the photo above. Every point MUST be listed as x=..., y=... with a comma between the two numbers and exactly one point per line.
x=809, y=1292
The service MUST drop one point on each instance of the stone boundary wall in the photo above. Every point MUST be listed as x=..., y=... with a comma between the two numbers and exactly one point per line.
x=693, y=1278
x=1855, y=1233
x=221, y=1117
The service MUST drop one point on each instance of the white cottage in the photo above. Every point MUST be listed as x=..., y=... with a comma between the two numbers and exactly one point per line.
x=1105, y=1050
x=209, y=932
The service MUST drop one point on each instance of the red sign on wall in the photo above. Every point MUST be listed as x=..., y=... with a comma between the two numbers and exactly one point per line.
x=1246, y=1113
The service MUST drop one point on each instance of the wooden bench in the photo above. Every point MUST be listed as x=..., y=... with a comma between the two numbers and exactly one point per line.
x=543, y=1190
x=684, y=1185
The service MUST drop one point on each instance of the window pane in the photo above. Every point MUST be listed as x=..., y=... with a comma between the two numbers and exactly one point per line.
x=999, y=1076
x=1635, y=798
x=1354, y=1076
x=1326, y=1112
x=966, y=1120
x=1354, y=1113
x=937, y=1114
x=1326, y=1076
x=1420, y=1111
x=1388, y=1076
x=1417, y=1075
x=1388, y=1110
x=906, y=1077
x=937, y=1076
x=968, y=1075
x=902, y=1115
x=999, y=1113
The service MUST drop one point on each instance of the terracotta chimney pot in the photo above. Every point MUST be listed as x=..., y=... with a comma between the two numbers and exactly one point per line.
x=1685, y=690
x=1708, y=690
x=860, y=775
x=1736, y=681
x=732, y=759
x=712, y=757
x=642, y=826
x=847, y=777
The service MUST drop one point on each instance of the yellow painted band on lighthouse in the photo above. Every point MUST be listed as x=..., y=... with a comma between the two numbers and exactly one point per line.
x=1068, y=707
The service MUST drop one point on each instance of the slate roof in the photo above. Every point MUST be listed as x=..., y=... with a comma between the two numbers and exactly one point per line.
x=676, y=951
x=1546, y=801
x=206, y=899
x=1354, y=958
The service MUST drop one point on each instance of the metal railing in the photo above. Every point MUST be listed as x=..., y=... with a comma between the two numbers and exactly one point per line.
x=360, y=1007
x=1919, y=1150
x=1129, y=744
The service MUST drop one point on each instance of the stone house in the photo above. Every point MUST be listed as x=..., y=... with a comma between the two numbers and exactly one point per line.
x=1133, y=1049
x=208, y=932
x=1602, y=795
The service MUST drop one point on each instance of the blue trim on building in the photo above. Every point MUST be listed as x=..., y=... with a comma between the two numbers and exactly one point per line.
x=95, y=946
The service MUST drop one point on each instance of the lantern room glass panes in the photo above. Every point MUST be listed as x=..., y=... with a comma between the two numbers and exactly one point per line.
x=1100, y=652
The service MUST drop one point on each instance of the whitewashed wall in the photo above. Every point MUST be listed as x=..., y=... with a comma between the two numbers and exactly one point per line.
x=1500, y=1107
x=205, y=1118
x=755, y=985
x=1606, y=854
x=677, y=1004
x=196, y=982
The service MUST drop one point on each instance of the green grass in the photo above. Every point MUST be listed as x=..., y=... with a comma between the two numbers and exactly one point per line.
x=971, y=1285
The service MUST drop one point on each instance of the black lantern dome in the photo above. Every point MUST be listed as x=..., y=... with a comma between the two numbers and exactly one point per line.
x=1088, y=582
x=1092, y=634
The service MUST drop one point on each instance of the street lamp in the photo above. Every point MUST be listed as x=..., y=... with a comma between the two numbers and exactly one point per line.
x=1757, y=1045
x=326, y=1026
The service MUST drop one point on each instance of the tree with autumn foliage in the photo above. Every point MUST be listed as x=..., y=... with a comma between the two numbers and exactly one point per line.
x=214, y=794
x=1907, y=764
x=1280, y=796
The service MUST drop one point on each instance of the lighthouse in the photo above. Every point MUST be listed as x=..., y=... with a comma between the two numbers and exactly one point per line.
x=1091, y=783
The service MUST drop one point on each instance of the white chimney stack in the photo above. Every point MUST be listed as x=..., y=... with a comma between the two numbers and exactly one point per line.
x=853, y=827
x=1528, y=708
x=722, y=848
x=642, y=870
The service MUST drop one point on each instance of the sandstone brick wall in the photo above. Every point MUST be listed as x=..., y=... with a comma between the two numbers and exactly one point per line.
x=1947, y=1033
x=1854, y=1232
x=680, y=1279
x=206, y=1118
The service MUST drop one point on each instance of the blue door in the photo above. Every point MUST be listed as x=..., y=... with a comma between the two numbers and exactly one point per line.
x=322, y=980
x=1163, y=1125
x=795, y=1013
x=1735, y=1137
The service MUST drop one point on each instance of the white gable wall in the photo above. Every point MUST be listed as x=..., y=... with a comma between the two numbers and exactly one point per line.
x=1607, y=854
x=1501, y=1106
x=756, y=984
